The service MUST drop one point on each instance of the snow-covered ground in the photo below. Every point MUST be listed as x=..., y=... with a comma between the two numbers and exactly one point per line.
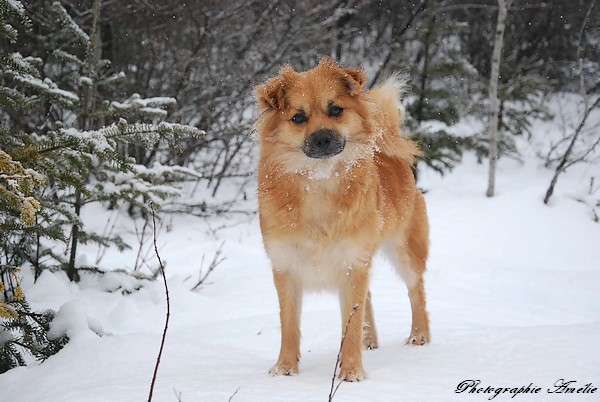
x=513, y=291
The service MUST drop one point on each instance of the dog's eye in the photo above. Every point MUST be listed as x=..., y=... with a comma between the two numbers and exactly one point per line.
x=335, y=111
x=299, y=118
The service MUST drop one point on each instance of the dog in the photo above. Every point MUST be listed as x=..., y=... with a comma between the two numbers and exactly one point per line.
x=335, y=184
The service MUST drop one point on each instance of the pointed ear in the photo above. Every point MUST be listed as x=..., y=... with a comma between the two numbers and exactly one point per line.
x=271, y=94
x=354, y=80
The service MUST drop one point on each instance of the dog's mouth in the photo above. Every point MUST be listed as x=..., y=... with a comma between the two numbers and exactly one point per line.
x=324, y=144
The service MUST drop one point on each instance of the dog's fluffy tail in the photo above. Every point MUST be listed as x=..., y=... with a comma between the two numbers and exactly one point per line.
x=389, y=115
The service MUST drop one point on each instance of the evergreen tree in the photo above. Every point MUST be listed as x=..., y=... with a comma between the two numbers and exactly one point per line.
x=438, y=84
x=81, y=143
x=63, y=145
x=21, y=330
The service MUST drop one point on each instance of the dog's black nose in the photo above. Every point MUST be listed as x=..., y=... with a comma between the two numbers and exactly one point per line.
x=324, y=144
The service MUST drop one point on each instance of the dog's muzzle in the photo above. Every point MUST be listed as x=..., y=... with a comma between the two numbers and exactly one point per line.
x=324, y=144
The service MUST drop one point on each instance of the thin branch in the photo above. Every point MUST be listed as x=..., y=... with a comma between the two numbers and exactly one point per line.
x=108, y=230
x=217, y=259
x=405, y=27
x=565, y=162
x=177, y=394
x=489, y=7
x=141, y=240
x=332, y=391
x=164, y=335
x=231, y=397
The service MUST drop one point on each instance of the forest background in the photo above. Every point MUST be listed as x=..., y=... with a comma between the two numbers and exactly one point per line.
x=123, y=104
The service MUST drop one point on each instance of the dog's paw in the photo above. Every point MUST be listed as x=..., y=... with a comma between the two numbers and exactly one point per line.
x=282, y=368
x=352, y=374
x=417, y=339
x=370, y=343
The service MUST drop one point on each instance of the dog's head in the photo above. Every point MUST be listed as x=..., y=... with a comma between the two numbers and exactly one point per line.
x=315, y=121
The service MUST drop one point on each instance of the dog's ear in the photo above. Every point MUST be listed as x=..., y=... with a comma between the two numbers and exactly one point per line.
x=354, y=80
x=271, y=94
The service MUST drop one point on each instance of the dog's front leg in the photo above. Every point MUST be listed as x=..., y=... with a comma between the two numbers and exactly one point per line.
x=353, y=297
x=289, y=292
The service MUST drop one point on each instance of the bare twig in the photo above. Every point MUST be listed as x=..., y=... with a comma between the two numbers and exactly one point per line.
x=141, y=240
x=332, y=391
x=404, y=28
x=140, y=258
x=108, y=229
x=217, y=259
x=232, y=395
x=164, y=335
x=177, y=395
x=567, y=159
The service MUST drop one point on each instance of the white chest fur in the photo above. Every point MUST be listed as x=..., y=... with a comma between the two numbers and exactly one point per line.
x=317, y=266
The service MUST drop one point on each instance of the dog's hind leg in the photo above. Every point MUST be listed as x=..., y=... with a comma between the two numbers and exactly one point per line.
x=411, y=264
x=289, y=292
x=369, y=328
x=419, y=333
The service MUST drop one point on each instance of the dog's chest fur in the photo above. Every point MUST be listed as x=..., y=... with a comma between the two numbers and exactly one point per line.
x=315, y=228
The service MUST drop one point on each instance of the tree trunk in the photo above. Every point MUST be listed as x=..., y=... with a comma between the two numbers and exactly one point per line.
x=425, y=74
x=493, y=90
x=72, y=272
x=87, y=122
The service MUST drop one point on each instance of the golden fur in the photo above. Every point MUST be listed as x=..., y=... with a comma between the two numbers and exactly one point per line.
x=323, y=218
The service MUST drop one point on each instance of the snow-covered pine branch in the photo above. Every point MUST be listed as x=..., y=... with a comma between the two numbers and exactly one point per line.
x=19, y=71
x=46, y=88
x=68, y=23
x=16, y=63
x=112, y=78
x=105, y=140
x=148, y=134
x=12, y=10
x=67, y=57
x=145, y=106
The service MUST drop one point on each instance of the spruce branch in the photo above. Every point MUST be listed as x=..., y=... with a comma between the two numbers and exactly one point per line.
x=168, y=314
x=70, y=25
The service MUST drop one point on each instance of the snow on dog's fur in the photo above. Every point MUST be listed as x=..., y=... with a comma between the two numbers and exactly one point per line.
x=335, y=185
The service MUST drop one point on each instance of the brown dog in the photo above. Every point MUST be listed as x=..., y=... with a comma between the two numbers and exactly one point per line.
x=335, y=185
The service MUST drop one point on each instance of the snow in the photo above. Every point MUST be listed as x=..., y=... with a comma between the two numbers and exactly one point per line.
x=512, y=293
